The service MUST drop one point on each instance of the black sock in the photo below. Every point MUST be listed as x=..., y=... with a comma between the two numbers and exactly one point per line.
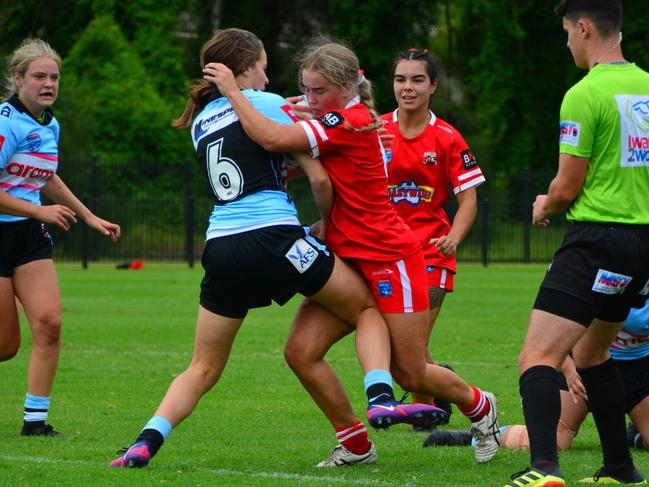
x=380, y=392
x=605, y=392
x=539, y=388
x=153, y=438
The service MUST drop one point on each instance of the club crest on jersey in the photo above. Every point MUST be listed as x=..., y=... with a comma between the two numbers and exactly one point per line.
x=569, y=133
x=384, y=288
x=430, y=158
x=33, y=142
x=607, y=282
x=5, y=112
x=301, y=255
x=410, y=193
x=331, y=119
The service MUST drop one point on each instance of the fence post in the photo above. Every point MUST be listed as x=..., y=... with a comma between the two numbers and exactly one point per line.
x=84, y=240
x=485, y=232
x=94, y=193
x=189, y=214
x=527, y=217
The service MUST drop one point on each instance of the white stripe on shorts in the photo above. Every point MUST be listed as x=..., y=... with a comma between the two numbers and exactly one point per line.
x=405, y=285
x=442, y=279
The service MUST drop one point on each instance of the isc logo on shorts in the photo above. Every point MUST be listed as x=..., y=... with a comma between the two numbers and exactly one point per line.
x=607, y=282
x=301, y=255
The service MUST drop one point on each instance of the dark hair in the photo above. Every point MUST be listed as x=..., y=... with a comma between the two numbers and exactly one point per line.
x=414, y=54
x=238, y=49
x=606, y=15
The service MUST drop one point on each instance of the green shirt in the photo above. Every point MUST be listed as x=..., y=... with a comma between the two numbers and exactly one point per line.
x=605, y=118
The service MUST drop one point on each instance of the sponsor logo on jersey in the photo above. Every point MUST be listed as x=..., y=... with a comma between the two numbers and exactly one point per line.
x=607, y=282
x=5, y=112
x=2, y=141
x=331, y=119
x=468, y=160
x=430, y=158
x=627, y=340
x=645, y=290
x=33, y=142
x=639, y=114
x=202, y=126
x=27, y=171
x=301, y=255
x=569, y=133
x=384, y=288
x=410, y=193
x=382, y=272
x=634, y=130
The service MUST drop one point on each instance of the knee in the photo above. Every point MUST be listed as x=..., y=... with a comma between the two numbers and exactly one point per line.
x=47, y=329
x=205, y=375
x=408, y=379
x=299, y=357
x=9, y=349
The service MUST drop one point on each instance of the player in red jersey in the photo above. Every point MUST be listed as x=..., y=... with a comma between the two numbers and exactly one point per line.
x=365, y=229
x=427, y=159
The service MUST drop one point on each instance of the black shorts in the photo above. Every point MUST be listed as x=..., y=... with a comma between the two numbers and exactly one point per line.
x=22, y=242
x=601, y=271
x=248, y=270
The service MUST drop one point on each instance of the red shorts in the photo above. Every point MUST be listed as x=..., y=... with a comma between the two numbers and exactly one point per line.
x=440, y=277
x=398, y=287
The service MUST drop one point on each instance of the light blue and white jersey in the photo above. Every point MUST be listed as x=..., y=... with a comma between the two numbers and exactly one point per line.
x=247, y=182
x=632, y=342
x=28, y=153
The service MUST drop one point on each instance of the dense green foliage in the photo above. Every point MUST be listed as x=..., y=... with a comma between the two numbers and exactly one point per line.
x=503, y=64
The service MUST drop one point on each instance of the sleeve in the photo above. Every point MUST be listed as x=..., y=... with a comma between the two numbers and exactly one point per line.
x=325, y=133
x=464, y=172
x=8, y=141
x=577, y=127
x=274, y=107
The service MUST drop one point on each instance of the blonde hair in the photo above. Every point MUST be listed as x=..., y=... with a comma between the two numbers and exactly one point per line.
x=340, y=66
x=238, y=49
x=19, y=60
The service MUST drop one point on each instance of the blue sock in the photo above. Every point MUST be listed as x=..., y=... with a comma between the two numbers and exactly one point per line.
x=378, y=386
x=36, y=408
x=160, y=424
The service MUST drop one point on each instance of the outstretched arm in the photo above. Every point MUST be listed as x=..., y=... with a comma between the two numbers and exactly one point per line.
x=270, y=135
x=57, y=191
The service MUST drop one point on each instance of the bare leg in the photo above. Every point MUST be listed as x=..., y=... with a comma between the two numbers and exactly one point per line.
x=432, y=318
x=9, y=324
x=37, y=287
x=212, y=344
x=640, y=417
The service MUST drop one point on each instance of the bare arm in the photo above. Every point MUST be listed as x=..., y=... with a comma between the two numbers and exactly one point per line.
x=467, y=209
x=57, y=191
x=58, y=215
x=270, y=135
x=563, y=190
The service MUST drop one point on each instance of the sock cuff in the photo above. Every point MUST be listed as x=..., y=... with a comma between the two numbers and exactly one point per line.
x=538, y=372
x=37, y=402
x=160, y=424
x=377, y=376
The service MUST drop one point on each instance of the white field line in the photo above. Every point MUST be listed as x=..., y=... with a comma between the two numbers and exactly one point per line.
x=217, y=472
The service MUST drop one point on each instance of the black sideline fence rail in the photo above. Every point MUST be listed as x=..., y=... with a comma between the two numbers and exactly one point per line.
x=163, y=209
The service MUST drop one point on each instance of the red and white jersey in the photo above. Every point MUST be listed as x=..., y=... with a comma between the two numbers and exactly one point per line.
x=421, y=174
x=363, y=222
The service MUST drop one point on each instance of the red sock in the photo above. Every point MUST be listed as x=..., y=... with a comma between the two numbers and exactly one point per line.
x=478, y=408
x=354, y=438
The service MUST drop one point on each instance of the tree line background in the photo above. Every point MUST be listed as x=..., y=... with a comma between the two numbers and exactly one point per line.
x=128, y=65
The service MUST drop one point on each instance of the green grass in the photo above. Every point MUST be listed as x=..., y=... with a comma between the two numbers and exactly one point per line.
x=128, y=333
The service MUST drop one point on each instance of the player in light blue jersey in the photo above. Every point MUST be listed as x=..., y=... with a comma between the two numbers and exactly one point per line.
x=257, y=252
x=29, y=136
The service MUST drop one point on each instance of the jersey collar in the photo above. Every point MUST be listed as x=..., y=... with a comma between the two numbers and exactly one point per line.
x=48, y=115
x=354, y=101
x=433, y=118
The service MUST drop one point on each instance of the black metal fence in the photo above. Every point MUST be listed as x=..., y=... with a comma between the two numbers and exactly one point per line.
x=163, y=210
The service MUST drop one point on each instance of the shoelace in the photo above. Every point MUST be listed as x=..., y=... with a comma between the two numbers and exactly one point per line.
x=522, y=472
x=405, y=396
x=598, y=474
x=122, y=450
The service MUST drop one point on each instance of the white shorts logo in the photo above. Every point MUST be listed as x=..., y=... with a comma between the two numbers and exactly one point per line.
x=607, y=282
x=301, y=255
x=645, y=289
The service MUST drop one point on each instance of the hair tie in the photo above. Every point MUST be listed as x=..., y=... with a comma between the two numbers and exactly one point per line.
x=361, y=77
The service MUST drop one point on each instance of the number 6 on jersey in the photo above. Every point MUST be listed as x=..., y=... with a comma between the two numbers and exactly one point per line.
x=223, y=173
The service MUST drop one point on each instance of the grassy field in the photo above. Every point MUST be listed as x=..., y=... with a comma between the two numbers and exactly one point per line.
x=128, y=333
